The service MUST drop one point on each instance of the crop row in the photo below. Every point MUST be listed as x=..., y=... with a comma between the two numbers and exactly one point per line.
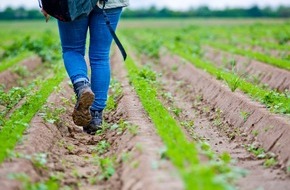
x=149, y=42
x=183, y=154
x=18, y=121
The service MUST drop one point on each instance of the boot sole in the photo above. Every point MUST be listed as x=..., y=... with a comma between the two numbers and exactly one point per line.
x=81, y=114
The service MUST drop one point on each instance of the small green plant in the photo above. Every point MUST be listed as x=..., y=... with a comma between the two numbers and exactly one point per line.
x=234, y=83
x=176, y=111
x=27, y=184
x=70, y=147
x=21, y=71
x=245, y=115
x=133, y=129
x=39, y=160
x=258, y=152
x=187, y=124
x=51, y=113
x=102, y=147
x=270, y=162
x=115, y=94
x=255, y=132
x=107, y=167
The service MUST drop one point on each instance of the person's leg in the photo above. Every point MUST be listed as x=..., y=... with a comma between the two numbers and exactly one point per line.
x=73, y=40
x=99, y=53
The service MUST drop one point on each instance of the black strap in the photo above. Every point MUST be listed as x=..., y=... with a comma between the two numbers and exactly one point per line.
x=120, y=46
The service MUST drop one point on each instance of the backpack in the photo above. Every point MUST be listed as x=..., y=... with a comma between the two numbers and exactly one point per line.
x=70, y=10
x=67, y=10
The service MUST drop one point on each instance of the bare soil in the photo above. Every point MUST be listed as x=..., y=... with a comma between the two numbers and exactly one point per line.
x=10, y=79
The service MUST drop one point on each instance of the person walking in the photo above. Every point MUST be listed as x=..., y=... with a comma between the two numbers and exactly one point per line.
x=91, y=92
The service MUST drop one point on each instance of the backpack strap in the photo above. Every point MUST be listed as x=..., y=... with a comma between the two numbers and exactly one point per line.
x=119, y=44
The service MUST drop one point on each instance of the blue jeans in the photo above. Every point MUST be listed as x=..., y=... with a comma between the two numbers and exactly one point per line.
x=73, y=41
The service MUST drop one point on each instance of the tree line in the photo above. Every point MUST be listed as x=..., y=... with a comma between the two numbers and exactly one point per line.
x=153, y=12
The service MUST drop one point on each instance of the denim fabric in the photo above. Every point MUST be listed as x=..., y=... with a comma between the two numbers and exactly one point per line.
x=73, y=40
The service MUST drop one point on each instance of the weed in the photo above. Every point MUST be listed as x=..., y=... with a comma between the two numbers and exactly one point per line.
x=133, y=129
x=27, y=184
x=225, y=157
x=21, y=71
x=126, y=156
x=115, y=94
x=176, y=111
x=135, y=164
x=187, y=124
x=57, y=176
x=39, y=160
x=270, y=162
x=107, y=167
x=234, y=83
x=51, y=113
x=92, y=180
x=217, y=122
x=245, y=115
x=259, y=152
x=219, y=76
x=75, y=173
x=102, y=147
x=70, y=147
x=255, y=132
x=167, y=95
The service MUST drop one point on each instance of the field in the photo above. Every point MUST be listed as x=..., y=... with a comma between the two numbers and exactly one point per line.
x=198, y=104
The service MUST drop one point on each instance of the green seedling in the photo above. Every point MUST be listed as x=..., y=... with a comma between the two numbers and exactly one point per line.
x=102, y=147
x=245, y=115
x=234, y=83
x=70, y=147
x=39, y=160
x=27, y=184
x=21, y=71
x=115, y=94
x=187, y=124
x=255, y=132
x=107, y=167
x=126, y=157
x=270, y=162
x=51, y=113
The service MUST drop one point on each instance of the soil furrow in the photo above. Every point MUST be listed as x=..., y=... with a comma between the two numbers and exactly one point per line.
x=228, y=101
x=254, y=71
x=10, y=78
x=210, y=127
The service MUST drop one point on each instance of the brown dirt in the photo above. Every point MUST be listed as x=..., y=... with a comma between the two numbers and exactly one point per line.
x=272, y=130
x=10, y=79
x=255, y=71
